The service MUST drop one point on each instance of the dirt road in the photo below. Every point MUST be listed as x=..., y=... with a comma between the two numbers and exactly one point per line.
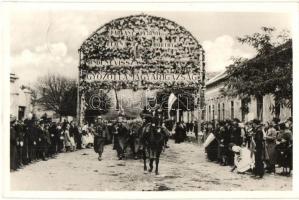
x=183, y=167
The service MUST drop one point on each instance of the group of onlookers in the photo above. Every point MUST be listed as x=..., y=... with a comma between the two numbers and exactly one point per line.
x=35, y=139
x=252, y=146
x=181, y=130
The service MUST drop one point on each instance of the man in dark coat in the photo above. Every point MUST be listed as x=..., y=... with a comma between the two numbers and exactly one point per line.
x=120, y=133
x=60, y=138
x=77, y=136
x=236, y=133
x=259, y=148
x=223, y=143
x=180, y=132
x=43, y=140
x=13, y=144
x=100, y=135
x=284, y=148
x=228, y=133
x=33, y=137
x=195, y=129
x=25, y=152
x=20, y=142
x=53, y=137
x=28, y=123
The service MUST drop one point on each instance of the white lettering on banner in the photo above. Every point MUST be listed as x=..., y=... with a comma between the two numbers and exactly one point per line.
x=153, y=77
x=125, y=62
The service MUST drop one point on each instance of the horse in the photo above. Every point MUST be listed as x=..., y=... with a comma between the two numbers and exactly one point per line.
x=153, y=140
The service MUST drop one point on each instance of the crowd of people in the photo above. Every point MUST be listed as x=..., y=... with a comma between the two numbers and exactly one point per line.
x=35, y=139
x=252, y=146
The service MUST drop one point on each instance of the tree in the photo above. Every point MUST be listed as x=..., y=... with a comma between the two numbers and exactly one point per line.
x=269, y=72
x=57, y=93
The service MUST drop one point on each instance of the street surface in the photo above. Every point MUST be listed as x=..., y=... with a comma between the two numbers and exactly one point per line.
x=183, y=167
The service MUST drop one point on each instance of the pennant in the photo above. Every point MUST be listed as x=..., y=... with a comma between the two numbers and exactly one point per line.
x=172, y=98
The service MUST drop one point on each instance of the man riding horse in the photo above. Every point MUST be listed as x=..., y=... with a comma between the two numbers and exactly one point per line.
x=153, y=137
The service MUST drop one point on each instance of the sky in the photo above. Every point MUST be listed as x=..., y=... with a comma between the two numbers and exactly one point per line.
x=47, y=41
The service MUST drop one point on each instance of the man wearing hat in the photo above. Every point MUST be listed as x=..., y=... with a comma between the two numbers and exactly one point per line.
x=119, y=133
x=236, y=132
x=259, y=152
x=13, y=144
x=100, y=135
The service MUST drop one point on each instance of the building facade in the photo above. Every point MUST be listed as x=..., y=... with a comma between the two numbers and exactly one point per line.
x=20, y=98
x=220, y=107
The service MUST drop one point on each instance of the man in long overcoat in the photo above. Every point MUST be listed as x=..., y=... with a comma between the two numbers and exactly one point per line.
x=100, y=136
x=13, y=144
x=259, y=152
x=120, y=134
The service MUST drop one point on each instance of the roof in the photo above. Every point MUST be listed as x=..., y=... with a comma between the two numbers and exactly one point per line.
x=219, y=77
x=223, y=75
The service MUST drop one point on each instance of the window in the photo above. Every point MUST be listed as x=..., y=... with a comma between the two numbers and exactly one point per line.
x=223, y=111
x=259, y=107
x=21, y=112
x=232, y=110
x=244, y=109
x=209, y=115
x=219, y=110
x=277, y=109
x=213, y=110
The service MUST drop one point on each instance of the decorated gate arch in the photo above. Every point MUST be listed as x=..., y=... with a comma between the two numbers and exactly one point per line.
x=135, y=55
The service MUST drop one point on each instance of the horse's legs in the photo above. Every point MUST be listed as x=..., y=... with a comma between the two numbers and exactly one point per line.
x=132, y=146
x=144, y=160
x=157, y=165
x=151, y=164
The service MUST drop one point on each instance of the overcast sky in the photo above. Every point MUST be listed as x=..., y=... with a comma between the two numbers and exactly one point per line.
x=43, y=42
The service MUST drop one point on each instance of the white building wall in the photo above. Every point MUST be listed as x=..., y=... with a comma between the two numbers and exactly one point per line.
x=214, y=97
x=19, y=97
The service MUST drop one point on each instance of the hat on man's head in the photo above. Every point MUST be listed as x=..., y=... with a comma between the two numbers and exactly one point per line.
x=282, y=125
x=236, y=120
x=12, y=118
x=256, y=121
x=99, y=117
x=221, y=123
x=276, y=120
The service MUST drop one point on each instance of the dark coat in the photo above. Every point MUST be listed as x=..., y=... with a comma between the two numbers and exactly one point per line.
x=259, y=151
x=100, y=135
x=13, y=148
x=44, y=140
x=74, y=131
x=180, y=133
x=284, y=149
x=236, y=135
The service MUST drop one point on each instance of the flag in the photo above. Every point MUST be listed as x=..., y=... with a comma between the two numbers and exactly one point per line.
x=172, y=98
x=121, y=109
